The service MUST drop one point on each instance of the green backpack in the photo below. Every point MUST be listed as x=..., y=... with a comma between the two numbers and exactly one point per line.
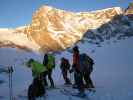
x=51, y=62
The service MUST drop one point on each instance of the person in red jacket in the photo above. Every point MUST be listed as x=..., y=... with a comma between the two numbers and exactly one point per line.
x=77, y=72
x=76, y=65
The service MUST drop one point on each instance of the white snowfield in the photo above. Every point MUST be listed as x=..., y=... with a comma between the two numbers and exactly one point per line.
x=112, y=73
x=12, y=38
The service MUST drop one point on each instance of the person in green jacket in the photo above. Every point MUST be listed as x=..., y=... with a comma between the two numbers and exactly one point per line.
x=37, y=68
x=39, y=72
x=49, y=62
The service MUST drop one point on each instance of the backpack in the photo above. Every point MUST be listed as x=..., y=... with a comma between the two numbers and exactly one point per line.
x=51, y=62
x=86, y=63
x=36, y=89
x=65, y=65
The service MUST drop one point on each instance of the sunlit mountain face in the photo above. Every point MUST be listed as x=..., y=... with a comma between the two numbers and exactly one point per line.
x=52, y=29
x=129, y=11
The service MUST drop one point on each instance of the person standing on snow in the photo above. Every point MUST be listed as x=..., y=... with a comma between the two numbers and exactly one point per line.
x=87, y=73
x=49, y=62
x=65, y=66
x=77, y=73
x=86, y=67
x=45, y=61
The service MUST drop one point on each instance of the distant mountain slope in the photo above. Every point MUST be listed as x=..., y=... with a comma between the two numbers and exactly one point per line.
x=52, y=29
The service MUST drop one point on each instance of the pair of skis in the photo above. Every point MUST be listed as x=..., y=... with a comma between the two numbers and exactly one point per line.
x=73, y=94
x=70, y=92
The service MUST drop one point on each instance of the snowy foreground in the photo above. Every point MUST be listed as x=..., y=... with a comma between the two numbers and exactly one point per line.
x=112, y=74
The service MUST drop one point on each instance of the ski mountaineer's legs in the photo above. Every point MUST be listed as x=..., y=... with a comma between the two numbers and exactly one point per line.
x=64, y=72
x=67, y=80
x=36, y=89
x=79, y=83
x=88, y=81
x=50, y=77
x=91, y=85
x=45, y=78
x=45, y=81
x=75, y=80
x=30, y=93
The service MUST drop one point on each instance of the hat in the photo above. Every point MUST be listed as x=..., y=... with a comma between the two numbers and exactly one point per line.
x=29, y=62
x=75, y=48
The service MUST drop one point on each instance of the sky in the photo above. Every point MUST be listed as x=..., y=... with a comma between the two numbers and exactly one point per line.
x=15, y=13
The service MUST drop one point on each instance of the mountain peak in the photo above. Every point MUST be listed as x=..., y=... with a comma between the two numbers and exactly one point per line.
x=61, y=29
x=53, y=29
x=46, y=7
x=117, y=9
x=129, y=9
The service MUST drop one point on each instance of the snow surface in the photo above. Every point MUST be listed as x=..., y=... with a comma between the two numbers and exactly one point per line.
x=10, y=36
x=112, y=74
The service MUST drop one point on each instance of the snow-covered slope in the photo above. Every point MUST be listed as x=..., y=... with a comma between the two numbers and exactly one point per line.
x=15, y=38
x=112, y=73
x=56, y=29
x=52, y=29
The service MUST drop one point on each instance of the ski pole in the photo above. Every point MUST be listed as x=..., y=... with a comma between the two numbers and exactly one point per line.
x=9, y=85
x=10, y=70
x=11, y=82
x=10, y=94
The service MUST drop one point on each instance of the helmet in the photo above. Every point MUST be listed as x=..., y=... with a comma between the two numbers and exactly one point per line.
x=29, y=62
